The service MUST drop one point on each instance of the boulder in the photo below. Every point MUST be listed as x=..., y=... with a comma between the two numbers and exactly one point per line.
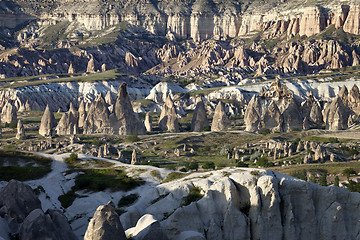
x=147, y=228
x=48, y=122
x=126, y=122
x=168, y=120
x=199, y=120
x=220, y=120
x=105, y=224
x=17, y=200
x=51, y=225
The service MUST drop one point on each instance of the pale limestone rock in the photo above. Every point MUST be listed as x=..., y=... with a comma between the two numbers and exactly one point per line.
x=148, y=122
x=131, y=60
x=168, y=120
x=20, y=131
x=91, y=65
x=48, y=122
x=108, y=98
x=220, y=120
x=126, y=122
x=147, y=228
x=9, y=113
x=105, y=224
x=337, y=115
x=199, y=120
x=134, y=159
x=82, y=114
x=98, y=118
x=67, y=124
x=71, y=69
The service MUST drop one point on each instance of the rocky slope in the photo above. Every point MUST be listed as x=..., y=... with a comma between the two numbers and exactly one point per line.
x=233, y=203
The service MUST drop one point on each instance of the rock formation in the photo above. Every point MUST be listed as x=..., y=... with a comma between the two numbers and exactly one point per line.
x=51, y=225
x=98, y=118
x=220, y=120
x=67, y=124
x=91, y=66
x=134, y=159
x=20, y=130
x=108, y=98
x=275, y=109
x=148, y=122
x=48, y=122
x=147, y=228
x=9, y=113
x=17, y=200
x=105, y=224
x=199, y=120
x=82, y=114
x=168, y=120
x=336, y=116
x=126, y=121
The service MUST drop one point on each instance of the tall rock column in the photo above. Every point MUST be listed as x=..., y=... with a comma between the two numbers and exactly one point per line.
x=48, y=122
x=126, y=121
x=168, y=118
x=220, y=121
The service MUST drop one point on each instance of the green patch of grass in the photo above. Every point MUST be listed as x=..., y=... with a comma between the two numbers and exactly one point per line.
x=32, y=166
x=174, y=176
x=101, y=179
x=67, y=199
x=128, y=200
x=326, y=140
x=194, y=196
x=155, y=174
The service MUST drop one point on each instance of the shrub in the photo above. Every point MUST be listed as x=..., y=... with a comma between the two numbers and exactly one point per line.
x=67, y=199
x=336, y=181
x=192, y=165
x=183, y=169
x=322, y=179
x=209, y=165
x=194, y=195
x=242, y=164
x=353, y=186
x=132, y=138
x=127, y=200
x=300, y=174
x=348, y=171
x=264, y=162
x=255, y=173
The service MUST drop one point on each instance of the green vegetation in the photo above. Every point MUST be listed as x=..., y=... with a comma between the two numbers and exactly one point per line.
x=322, y=179
x=264, y=162
x=155, y=174
x=255, y=173
x=194, y=195
x=101, y=179
x=23, y=166
x=67, y=199
x=192, y=165
x=132, y=138
x=128, y=200
x=353, y=186
x=208, y=165
x=336, y=181
x=174, y=176
x=348, y=171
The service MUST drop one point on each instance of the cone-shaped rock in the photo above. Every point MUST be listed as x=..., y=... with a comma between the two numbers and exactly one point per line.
x=98, y=118
x=126, y=121
x=252, y=117
x=67, y=124
x=148, y=122
x=82, y=114
x=168, y=118
x=199, y=120
x=354, y=99
x=91, y=66
x=48, y=122
x=20, y=130
x=9, y=113
x=71, y=69
x=108, y=98
x=105, y=225
x=220, y=121
x=337, y=115
x=273, y=118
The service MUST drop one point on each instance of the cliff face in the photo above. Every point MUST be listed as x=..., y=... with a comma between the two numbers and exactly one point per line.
x=198, y=19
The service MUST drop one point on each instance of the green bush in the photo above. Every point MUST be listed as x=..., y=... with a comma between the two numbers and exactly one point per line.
x=322, y=179
x=194, y=195
x=192, y=165
x=183, y=169
x=348, y=171
x=336, y=181
x=353, y=186
x=101, y=179
x=264, y=162
x=209, y=165
x=127, y=200
x=67, y=199
x=242, y=164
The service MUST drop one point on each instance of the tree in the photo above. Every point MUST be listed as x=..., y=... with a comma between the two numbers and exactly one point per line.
x=348, y=171
x=322, y=179
x=336, y=181
x=209, y=165
x=193, y=165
